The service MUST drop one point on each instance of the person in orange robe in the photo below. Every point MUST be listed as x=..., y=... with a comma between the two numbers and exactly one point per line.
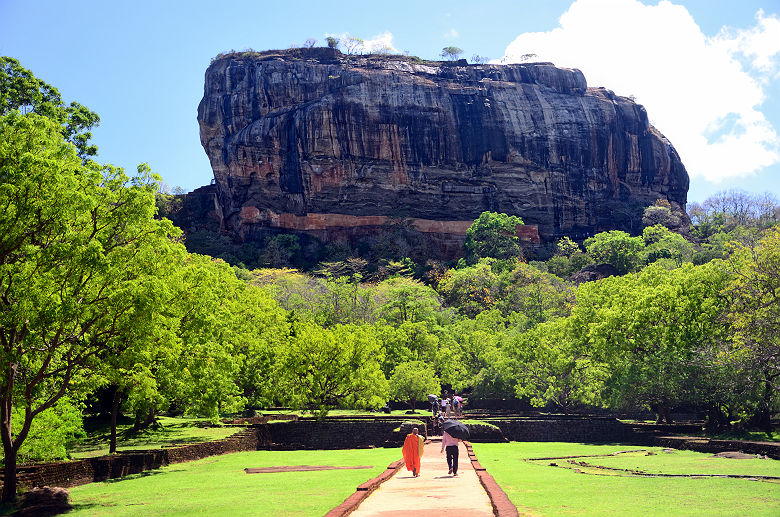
x=412, y=451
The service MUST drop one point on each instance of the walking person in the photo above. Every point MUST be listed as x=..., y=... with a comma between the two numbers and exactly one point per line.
x=413, y=451
x=434, y=402
x=450, y=444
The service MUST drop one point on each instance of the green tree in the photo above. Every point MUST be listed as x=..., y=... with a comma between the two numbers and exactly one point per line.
x=651, y=327
x=321, y=369
x=665, y=244
x=332, y=42
x=754, y=318
x=472, y=354
x=76, y=244
x=21, y=90
x=564, y=267
x=471, y=289
x=451, y=53
x=406, y=342
x=536, y=295
x=413, y=381
x=280, y=251
x=617, y=248
x=492, y=235
x=552, y=363
x=400, y=300
x=51, y=432
x=566, y=247
x=660, y=215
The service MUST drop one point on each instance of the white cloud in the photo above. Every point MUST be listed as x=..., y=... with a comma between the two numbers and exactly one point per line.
x=382, y=42
x=704, y=94
x=760, y=44
x=451, y=34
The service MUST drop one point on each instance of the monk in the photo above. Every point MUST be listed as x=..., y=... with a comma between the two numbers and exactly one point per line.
x=413, y=451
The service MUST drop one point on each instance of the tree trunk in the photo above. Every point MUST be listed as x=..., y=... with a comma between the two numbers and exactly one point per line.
x=763, y=416
x=114, y=414
x=717, y=419
x=148, y=420
x=9, y=476
x=9, y=451
x=663, y=413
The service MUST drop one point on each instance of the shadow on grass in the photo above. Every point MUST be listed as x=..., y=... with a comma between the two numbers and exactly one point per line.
x=88, y=506
x=146, y=473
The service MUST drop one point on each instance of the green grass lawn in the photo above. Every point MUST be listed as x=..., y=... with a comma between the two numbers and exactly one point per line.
x=540, y=489
x=219, y=486
x=172, y=431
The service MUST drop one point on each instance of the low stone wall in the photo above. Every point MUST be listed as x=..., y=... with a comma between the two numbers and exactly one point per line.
x=563, y=429
x=80, y=472
x=692, y=443
x=344, y=434
x=303, y=434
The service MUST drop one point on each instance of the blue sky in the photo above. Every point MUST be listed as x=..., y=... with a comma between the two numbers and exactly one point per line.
x=708, y=71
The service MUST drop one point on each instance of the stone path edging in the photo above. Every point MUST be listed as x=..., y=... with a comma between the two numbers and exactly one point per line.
x=502, y=506
x=364, y=490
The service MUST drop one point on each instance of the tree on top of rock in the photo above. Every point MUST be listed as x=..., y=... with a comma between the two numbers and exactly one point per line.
x=451, y=53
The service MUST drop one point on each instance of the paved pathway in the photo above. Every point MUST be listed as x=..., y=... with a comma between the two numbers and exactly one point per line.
x=433, y=493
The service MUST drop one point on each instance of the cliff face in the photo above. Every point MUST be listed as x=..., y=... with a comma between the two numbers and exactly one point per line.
x=310, y=141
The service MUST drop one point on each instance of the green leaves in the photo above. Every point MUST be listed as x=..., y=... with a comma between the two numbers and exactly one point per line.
x=321, y=369
x=617, y=248
x=21, y=91
x=81, y=258
x=492, y=235
x=413, y=381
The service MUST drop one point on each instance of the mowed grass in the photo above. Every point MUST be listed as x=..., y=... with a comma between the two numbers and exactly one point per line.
x=219, y=486
x=171, y=431
x=540, y=489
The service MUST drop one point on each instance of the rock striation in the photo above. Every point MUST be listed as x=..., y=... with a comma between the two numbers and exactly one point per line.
x=334, y=146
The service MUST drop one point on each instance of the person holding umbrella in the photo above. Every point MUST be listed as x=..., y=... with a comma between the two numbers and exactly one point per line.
x=453, y=432
x=434, y=402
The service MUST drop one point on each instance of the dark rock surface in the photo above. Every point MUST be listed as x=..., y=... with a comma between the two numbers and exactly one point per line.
x=313, y=141
x=593, y=272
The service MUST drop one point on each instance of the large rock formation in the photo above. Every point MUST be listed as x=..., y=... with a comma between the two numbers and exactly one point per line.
x=337, y=147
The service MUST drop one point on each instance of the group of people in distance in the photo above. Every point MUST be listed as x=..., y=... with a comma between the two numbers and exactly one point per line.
x=441, y=408
x=446, y=406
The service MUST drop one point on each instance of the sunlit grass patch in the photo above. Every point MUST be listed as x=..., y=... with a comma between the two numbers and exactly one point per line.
x=542, y=489
x=219, y=486
x=171, y=431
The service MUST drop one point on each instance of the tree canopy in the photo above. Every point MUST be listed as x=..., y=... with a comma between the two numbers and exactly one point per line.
x=492, y=235
x=21, y=90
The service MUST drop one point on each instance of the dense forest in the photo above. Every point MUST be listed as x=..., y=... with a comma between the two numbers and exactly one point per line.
x=100, y=300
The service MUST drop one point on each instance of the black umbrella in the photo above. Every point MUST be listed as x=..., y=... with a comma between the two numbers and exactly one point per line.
x=456, y=429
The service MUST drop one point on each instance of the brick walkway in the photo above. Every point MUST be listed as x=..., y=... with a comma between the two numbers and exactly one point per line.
x=433, y=493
